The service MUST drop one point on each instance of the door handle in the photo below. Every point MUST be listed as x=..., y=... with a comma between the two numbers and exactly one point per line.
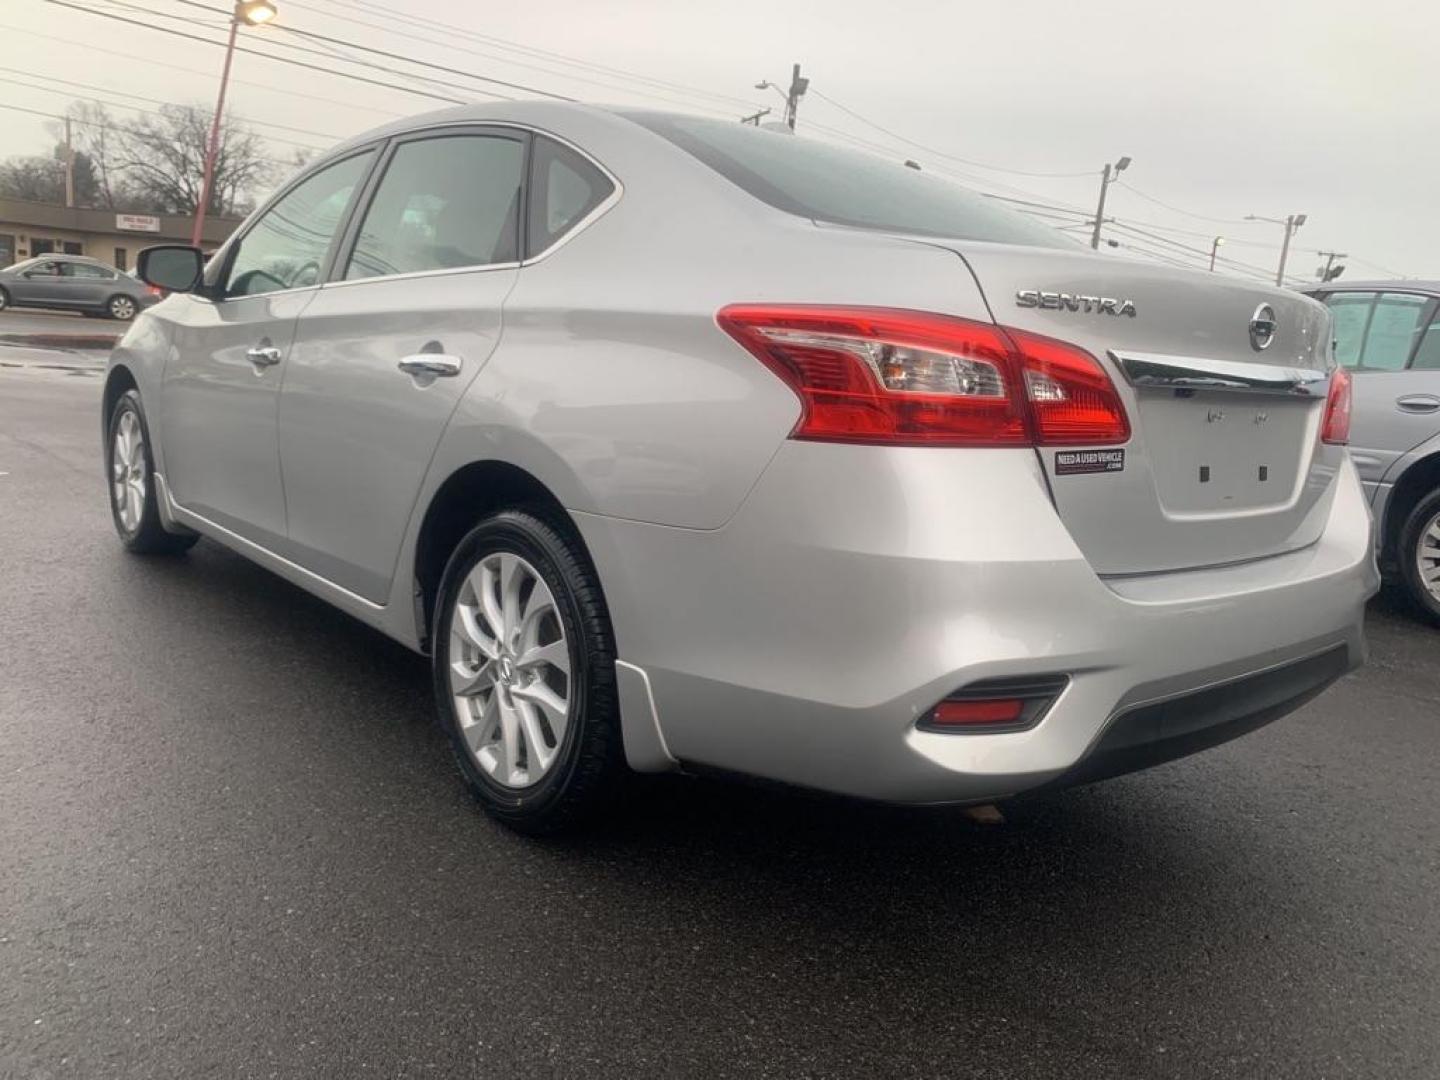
x=427, y=365
x=263, y=356
x=1418, y=403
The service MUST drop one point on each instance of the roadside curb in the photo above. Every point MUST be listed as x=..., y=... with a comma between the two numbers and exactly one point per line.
x=62, y=341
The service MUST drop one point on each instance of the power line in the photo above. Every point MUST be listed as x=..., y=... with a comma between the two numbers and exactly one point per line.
x=193, y=71
x=1177, y=210
x=256, y=52
x=941, y=153
x=392, y=31
x=311, y=35
x=451, y=29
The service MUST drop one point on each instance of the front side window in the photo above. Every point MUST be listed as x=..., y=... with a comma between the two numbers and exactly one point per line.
x=287, y=246
x=564, y=187
x=44, y=269
x=844, y=187
x=445, y=202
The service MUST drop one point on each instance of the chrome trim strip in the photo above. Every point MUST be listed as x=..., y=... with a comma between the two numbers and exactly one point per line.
x=1199, y=373
x=262, y=555
x=478, y=268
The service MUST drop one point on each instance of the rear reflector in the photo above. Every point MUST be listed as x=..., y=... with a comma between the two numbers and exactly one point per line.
x=1336, y=429
x=912, y=378
x=998, y=711
x=995, y=706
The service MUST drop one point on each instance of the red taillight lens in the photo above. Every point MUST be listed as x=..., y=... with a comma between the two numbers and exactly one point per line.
x=1336, y=429
x=879, y=375
x=1072, y=400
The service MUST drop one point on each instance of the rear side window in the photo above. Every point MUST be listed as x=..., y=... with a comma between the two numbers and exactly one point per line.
x=1394, y=328
x=86, y=270
x=1377, y=331
x=564, y=188
x=1351, y=312
x=444, y=203
x=1427, y=356
x=845, y=187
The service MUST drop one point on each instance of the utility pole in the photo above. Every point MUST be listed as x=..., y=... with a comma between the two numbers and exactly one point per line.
x=1108, y=177
x=69, y=166
x=1215, y=250
x=755, y=118
x=1329, y=272
x=1292, y=225
x=798, y=86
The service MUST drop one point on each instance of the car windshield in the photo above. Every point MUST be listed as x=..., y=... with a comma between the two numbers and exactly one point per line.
x=844, y=187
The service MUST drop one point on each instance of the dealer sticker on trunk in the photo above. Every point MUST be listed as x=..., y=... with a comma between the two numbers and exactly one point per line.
x=1069, y=462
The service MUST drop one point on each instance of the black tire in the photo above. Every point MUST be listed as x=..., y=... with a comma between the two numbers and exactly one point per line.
x=589, y=768
x=148, y=537
x=1407, y=550
x=4, y=299
x=122, y=308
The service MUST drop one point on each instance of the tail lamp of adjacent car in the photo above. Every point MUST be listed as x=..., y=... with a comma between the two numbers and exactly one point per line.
x=1336, y=427
x=912, y=378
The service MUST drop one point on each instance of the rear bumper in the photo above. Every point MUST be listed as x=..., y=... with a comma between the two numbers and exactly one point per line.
x=802, y=641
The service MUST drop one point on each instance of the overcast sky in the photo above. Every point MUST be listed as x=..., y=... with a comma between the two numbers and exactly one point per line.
x=1228, y=107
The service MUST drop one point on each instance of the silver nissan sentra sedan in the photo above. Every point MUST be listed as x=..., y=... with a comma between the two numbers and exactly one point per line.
x=682, y=445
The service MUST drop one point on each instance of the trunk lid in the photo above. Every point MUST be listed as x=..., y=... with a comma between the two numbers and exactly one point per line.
x=1225, y=461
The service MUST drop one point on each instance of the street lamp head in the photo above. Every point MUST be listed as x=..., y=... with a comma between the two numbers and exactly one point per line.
x=1299, y=220
x=254, y=12
x=1122, y=164
x=1219, y=241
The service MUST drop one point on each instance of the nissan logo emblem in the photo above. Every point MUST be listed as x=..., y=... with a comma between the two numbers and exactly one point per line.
x=1262, y=327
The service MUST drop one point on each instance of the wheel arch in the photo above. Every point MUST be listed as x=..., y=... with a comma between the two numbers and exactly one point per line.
x=1420, y=477
x=469, y=493
x=118, y=380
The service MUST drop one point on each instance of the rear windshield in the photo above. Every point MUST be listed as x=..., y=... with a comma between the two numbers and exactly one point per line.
x=846, y=187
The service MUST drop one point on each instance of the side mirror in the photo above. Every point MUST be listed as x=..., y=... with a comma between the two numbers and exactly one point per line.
x=172, y=267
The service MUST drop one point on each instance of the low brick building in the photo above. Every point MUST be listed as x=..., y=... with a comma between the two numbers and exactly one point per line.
x=32, y=228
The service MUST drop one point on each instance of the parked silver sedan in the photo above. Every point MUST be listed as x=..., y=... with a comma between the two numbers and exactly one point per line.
x=682, y=445
x=1388, y=334
x=74, y=283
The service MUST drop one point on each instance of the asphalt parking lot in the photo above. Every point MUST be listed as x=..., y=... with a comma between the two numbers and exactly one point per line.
x=233, y=845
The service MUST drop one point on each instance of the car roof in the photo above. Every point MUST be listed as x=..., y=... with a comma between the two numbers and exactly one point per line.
x=1379, y=285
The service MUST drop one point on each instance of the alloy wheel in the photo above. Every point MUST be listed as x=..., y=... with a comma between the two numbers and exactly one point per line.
x=127, y=471
x=122, y=307
x=510, y=670
x=1427, y=556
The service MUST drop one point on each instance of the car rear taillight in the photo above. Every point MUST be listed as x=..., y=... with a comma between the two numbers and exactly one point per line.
x=911, y=378
x=1336, y=429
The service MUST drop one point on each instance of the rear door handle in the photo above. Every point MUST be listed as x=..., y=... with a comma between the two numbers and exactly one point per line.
x=1418, y=403
x=263, y=356
x=431, y=365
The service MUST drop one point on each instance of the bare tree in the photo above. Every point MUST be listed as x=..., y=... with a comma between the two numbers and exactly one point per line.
x=163, y=160
x=152, y=164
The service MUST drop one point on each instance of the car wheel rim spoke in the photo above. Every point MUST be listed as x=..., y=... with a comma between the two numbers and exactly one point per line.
x=510, y=670
x=1427, y=557
x=127, y=471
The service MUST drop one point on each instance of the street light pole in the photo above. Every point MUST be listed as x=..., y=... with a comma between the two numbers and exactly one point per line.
x=1214, y=250
x=1109, y=176
x=1292, y=225
x=252, y=13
